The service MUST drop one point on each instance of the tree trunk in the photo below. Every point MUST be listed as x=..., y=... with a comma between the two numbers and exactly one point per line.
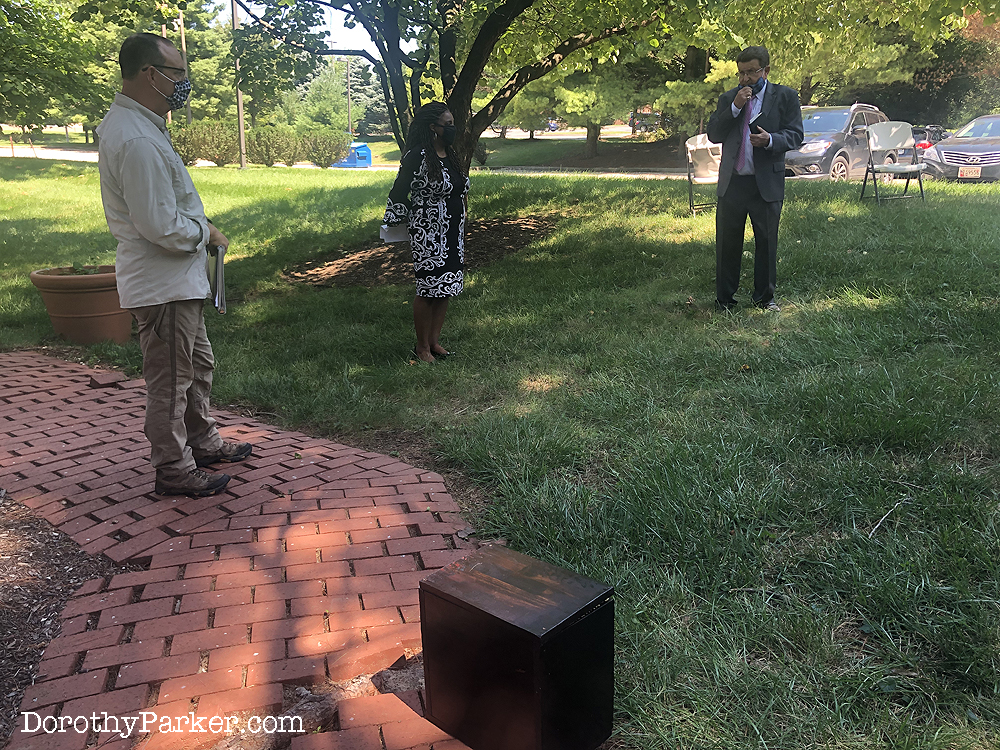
x=531, y=135
x=694, y=64
x=806, y=91
x=593, y=134
x=465, y=140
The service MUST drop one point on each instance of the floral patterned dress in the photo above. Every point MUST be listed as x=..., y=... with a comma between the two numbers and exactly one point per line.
x=435, y=213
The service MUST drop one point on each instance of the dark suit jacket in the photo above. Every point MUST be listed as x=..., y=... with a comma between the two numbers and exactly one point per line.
x=781, y=116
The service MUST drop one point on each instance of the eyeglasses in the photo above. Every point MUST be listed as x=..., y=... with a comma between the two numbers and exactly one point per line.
x=748, y=73
x=161, y=68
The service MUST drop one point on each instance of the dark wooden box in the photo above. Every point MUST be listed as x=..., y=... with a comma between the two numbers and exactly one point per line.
x=518, y=654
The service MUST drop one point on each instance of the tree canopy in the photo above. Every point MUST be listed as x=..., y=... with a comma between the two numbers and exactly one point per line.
x=477, y=54
x=43, y=60
x=480, y=53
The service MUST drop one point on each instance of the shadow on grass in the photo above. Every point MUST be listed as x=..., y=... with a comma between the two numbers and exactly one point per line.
x=643, y=241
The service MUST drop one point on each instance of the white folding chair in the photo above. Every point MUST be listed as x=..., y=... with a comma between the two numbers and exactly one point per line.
x=890, y=137
x=703, y=160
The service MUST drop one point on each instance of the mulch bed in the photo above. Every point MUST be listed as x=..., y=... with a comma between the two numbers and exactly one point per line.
x=377, y=263
x=39, y=569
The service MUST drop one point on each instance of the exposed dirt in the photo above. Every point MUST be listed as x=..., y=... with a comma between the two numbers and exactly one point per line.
x=39, y=569
x=377, y=263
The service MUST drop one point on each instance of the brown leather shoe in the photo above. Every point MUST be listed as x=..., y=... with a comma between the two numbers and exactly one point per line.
x=196, y=483
x=227, y=454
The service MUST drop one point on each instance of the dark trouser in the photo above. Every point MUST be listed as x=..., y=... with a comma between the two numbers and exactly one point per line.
x=177, y=364
x=742, y=199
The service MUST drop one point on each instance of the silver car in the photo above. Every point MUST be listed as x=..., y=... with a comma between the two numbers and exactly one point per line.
x=971, y=155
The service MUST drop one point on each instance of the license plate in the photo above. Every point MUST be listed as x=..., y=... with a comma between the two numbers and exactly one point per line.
x=970, y=173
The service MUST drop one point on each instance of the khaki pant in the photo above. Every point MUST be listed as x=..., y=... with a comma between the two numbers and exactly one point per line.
x=177, y=364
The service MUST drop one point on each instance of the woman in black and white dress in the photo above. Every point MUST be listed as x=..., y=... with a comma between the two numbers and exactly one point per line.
x=429, y=195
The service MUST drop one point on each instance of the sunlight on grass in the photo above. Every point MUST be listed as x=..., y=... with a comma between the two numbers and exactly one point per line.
x=542, y=383
x=871, y=299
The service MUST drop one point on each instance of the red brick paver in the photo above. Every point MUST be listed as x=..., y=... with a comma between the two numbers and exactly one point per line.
x=306, y=569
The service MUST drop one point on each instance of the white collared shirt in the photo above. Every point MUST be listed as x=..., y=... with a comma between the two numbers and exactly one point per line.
x=152, y=208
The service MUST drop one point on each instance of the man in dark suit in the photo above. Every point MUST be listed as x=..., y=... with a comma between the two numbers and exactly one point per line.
x=756, y=123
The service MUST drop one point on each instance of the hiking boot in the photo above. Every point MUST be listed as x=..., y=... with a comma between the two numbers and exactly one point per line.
x=227, y=454
x=196, y=483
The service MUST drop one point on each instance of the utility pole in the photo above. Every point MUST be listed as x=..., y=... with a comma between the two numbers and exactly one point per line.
x=163, y=33
x=184, y=54
x=350, y=123
x=239, y=100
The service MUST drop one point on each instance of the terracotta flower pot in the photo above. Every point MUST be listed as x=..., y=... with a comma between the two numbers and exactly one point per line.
x=84, y=308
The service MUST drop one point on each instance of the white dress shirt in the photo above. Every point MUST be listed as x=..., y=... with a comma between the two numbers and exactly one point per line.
x=152, y=208
x=754, y=103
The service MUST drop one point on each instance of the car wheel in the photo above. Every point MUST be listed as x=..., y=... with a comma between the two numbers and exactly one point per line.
x=840, y=169
x=887, y=179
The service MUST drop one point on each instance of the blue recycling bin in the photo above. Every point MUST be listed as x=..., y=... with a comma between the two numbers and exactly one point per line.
x=358, y=156
x=362, y=153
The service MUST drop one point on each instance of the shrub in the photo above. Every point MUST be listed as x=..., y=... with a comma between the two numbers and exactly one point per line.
x=212, y=140
x=219, y=141
x=183, y=140
x=324, y=147
x=289, y=147
x=264, y=145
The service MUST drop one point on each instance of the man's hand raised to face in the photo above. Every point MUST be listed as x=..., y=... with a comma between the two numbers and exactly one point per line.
x=742, y=97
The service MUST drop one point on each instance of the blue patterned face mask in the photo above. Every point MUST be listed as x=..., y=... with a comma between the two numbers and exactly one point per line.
x=182, y=89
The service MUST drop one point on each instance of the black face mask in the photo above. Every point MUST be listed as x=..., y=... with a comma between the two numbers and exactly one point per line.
x=447, y=134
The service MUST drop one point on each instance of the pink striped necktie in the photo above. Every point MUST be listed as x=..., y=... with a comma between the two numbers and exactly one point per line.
x=742, y=154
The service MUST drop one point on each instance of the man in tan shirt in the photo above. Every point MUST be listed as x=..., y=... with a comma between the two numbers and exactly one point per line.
x=155, y=213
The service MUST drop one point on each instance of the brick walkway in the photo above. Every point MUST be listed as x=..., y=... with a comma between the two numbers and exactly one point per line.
x=304, y=570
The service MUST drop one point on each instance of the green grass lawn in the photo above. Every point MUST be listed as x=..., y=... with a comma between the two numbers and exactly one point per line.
x=548, y=151
x=384, y=149
x=509, y=152
x=542, y=152
x=506, y=152
x=799, y=511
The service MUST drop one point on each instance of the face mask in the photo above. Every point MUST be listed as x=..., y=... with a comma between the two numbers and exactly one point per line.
x=448, y=134
x=759, y=86
x=182, y=89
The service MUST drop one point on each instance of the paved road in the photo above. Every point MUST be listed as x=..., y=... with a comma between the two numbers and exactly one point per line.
x=516, y=134
x=45, y=152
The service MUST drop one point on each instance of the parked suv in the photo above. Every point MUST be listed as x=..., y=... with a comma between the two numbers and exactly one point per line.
x=835, y=142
